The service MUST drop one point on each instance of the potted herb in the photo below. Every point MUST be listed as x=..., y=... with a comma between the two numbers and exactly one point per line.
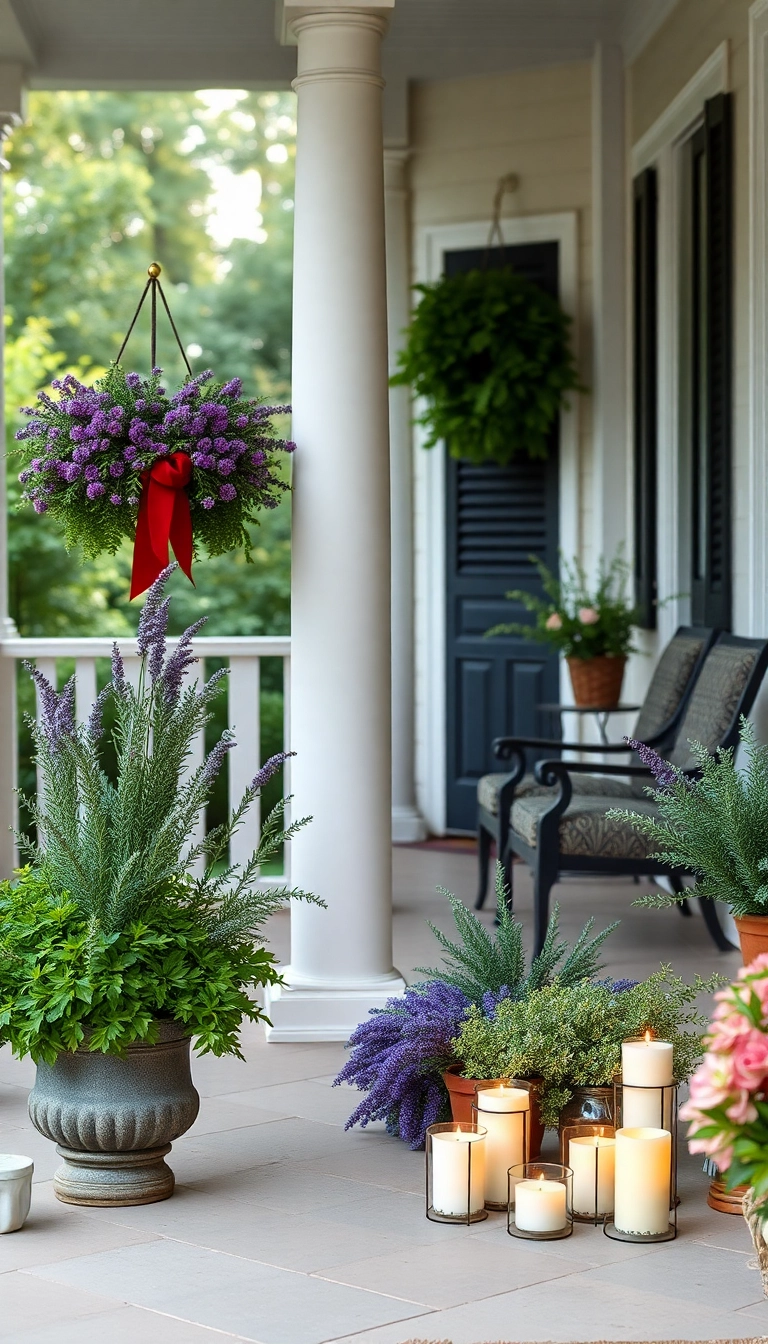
x=714, y=826
x=113, y=958
x=570, y=1035
x=404, y=1056
x=592, y=627
x=489, y=351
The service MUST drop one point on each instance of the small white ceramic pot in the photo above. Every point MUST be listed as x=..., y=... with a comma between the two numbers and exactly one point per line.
x=15, y=1190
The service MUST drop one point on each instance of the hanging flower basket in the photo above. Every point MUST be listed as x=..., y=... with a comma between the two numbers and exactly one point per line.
x=128, y=458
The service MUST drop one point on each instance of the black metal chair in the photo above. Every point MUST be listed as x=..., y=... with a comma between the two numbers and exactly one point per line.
x=665, y=701
x=561, y=831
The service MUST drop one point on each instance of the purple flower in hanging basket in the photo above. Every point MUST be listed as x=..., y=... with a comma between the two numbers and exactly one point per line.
x=221, y=445
x=233, y=388
x=95, y=489
x=133, y=499
x=242, y=422
x=289, y=446
x=91, y=472
x=225, y=466
x=208, y=502
x=227, y=493
x=133, y=381
x=115, y=499
x=81, y=454
x=39, y=505
x=116, y=468
x=258, y=457
x=129, y=453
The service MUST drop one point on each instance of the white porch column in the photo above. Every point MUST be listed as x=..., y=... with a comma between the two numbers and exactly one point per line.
x=12, y=95
x=610, y=523
x=407, y=825
x=341, y=957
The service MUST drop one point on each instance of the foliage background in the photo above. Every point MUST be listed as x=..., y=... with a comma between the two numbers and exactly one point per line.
x=100, y=184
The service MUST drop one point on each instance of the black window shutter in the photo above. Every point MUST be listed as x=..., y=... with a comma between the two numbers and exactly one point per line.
x=644, y=283
x=712, y=383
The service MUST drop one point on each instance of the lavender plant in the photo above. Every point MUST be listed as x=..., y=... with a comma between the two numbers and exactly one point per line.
x=400, y=1052
x=107, y=929
x=86, y=455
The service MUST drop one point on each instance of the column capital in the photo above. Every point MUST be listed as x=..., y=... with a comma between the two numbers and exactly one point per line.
x=289, y=12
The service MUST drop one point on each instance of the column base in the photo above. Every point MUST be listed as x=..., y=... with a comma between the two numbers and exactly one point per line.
x=324, y=1013
x=408, y=827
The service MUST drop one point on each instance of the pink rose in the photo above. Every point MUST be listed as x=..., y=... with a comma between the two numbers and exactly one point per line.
x=750, y=1060
x=588, y=615
x=742, y=1111
x=554, y=622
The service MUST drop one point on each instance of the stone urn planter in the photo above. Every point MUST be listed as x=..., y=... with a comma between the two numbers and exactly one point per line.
x=113, y=1119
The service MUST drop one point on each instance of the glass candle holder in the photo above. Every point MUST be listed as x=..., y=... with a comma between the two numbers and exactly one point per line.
x=504, y=1112
x=455, y=1163
x=645, y=1200
x=640, y=1106
x=540, y=1201
x=590, y=1152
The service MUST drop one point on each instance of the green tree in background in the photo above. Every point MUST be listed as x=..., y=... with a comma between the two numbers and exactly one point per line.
x=100, y=185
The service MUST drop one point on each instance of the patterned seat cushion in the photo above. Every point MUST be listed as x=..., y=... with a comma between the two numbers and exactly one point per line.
x=714, y=700
x=489, y=786
x=585, y=828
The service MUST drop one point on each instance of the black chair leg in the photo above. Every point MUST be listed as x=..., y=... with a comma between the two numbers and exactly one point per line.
x=542, y=885
x=484, y=858
x=685, y=909
x=714, y=927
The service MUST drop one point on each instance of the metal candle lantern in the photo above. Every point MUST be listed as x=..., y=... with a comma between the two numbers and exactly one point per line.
x=589, y=1150
x=455, y=1167
x=540, y=1203
x=653, y=1144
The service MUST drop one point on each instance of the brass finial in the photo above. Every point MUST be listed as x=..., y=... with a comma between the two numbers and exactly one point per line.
x=153, y=271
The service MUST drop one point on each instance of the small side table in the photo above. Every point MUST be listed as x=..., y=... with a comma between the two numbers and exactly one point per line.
x=602, y=714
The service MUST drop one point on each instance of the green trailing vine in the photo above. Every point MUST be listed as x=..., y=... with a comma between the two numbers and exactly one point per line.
x=489, y=352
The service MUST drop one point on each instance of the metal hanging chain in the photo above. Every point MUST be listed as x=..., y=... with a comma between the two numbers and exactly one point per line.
x=509, y=183
x=154, y=285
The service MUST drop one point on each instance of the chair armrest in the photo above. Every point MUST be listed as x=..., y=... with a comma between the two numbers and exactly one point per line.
x=557, y=768
x=504, y=748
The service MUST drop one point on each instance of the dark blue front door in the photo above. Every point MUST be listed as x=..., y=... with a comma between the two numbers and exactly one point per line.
x=496, y=518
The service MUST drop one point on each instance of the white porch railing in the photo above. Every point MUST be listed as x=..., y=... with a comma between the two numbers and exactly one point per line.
x=244, y=655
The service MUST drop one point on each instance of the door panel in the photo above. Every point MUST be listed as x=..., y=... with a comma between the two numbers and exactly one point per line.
x=496, y=518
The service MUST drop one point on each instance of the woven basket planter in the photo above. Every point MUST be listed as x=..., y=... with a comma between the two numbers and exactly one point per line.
x=597, y=681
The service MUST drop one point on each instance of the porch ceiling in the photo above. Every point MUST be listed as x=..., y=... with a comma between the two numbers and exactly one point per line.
x=232, y=43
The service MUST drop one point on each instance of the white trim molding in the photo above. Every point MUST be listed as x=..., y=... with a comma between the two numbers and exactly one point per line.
x=758, y=317
x=662, y=147
x=677, y=119
x=432, y=243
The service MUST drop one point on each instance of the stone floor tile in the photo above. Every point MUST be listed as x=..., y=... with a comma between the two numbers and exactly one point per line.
x=218, y=1114
x=296, y=1240
x=563, y=1310
x=289, y=1186
x=27, y=1302
x=377, y=1160
x=312, y=1100
x=263, y=1066
x=125, y=1325
x=16, y=1072
x=229, y=1293
x=688, y=1271
x=27, y=1141
x=13, y=1105
x=447, y=1275
x=56, y=1231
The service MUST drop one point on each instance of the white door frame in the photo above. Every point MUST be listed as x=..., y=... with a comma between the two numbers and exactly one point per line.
x=662, y=148
x=432, y=243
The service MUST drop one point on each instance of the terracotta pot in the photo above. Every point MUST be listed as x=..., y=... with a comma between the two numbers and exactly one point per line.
x=753, y=936
x=597, y=681
x=725, y=1201
x=462, y=1094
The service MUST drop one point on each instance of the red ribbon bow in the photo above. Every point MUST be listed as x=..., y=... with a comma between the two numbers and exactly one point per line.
x=163, y=517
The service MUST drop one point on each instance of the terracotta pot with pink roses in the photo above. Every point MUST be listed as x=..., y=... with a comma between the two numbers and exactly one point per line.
x=591, y=624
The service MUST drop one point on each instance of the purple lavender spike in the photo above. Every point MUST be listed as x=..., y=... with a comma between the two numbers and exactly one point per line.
x=180, y=660
x=215, y=758
x=95, y=726
x=269, y=768
x=663, y=771
x=119, y=680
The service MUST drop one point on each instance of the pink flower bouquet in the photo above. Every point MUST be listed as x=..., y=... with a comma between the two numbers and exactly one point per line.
x=728, y=1106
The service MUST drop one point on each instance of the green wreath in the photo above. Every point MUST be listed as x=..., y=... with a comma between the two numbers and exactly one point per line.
x=489, y=351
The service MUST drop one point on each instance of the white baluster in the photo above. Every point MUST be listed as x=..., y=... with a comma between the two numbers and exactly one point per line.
x=85, y=687
x=245, y=759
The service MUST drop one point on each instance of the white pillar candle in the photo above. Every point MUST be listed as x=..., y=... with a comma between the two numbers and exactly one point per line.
x=643, y=1180
x=591, y=1157
x=646, y=1066
x=452, y=1182
x=501, y=1111
x=540, y=1206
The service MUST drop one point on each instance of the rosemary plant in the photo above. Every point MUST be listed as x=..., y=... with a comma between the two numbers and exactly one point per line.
x=107, y=929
